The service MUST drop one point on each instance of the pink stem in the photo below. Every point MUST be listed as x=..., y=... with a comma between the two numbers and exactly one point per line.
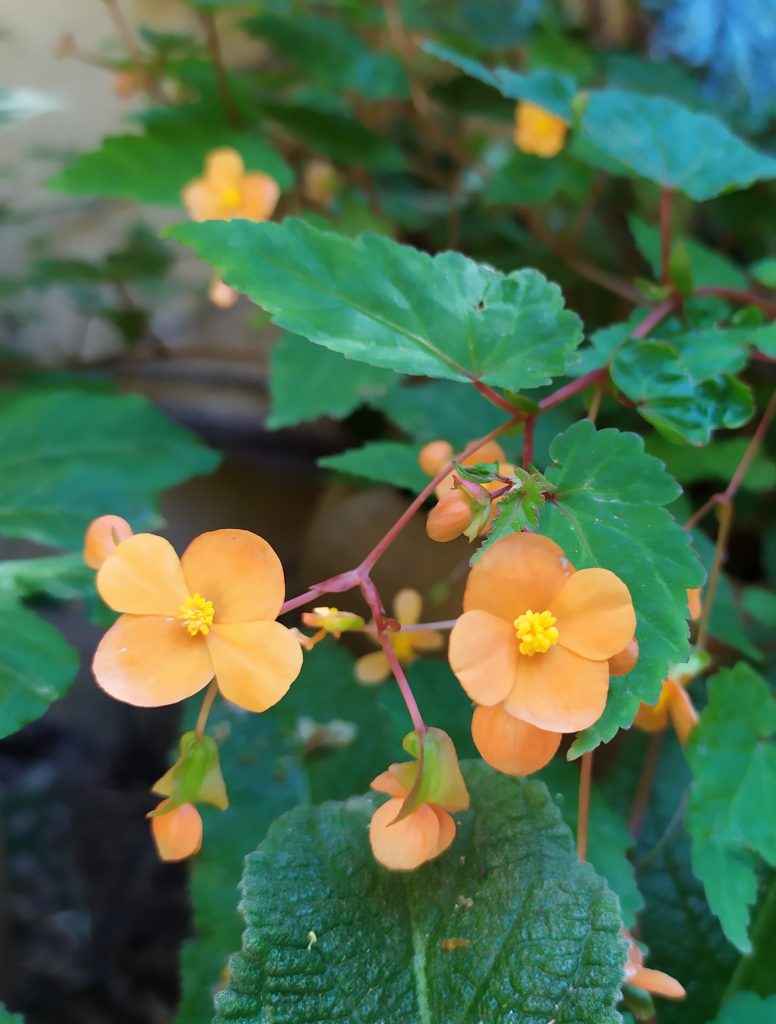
x=419, y=627
x=658, y=314
x=572, y=388
x=528, y=441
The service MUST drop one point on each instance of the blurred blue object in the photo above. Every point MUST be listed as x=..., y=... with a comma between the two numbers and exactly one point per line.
x=733, y=40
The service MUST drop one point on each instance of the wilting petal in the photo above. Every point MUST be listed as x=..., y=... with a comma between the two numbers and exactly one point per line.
x=406, y=844
x=224, y=168
x=483, y=654
x=239, y=572
x=102, y=537
x=446, y=831
x=656, y=982
x=510, y=745
x=203, y=201
x=149, y=661
x=521, y=572
x=260, y=194
x=177, y=834
x=595, y=614
x=372, y=668
x=255, y=662
x=407, y=606
x=559, y=691
x=143, y=576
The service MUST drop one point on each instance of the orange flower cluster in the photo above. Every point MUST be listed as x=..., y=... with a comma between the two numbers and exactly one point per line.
x=535, y=648
x=538, y=131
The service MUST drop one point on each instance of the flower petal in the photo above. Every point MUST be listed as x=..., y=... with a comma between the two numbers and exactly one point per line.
x=407, y=606
x=143, y=576
x=694, y=603
x=372, y=668
x=657, y=982
x=386, y=782
x=177, y=834
x=559, y=691
x=653, y=717
x=203, y=201
x=224, y=168
x=446, y=831
x=681, y=710
x=150, y=661
x=255, y=662
x=595, y=614
x=260, y=195
x=510, y=745
x=239, y=572
x=404, y=845
x=483, y=654
x=426, y=640
x=519, y=572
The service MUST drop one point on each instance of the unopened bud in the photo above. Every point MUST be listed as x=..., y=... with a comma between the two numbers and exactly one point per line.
x=624, y=662
x=221, y=294
x=450, y=517
x=435, y=456
x=332, y=620
x=102, y=537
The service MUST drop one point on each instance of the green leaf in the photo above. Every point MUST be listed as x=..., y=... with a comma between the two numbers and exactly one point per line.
x=6, y=1017
x=155, y=167
x=680, y=388
x=333, y=936
x=732, y=805
x=307, y=381
x=715, y=462
x=754, y=973
x=383, y=462
x=608, y=839
x=655, y=138
x=439, y=409
x=747, y=1008
x=519, y=509
x=708, y=267
x=69, y=456
x=62, y=577
x=526, y=180
x=37, y=667
x=764, y=271
x=547, y=89
x=607, y=512
x=390, y=305
x=760, y=604
x=726, y=624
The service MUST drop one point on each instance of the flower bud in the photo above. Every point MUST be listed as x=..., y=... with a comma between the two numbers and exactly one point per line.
x=195, y=776
x=434, y=456
x=450, y=517
x=177, y=833
x=103, y=535
x=332, y=620
x=624, y=662
x=221, y=294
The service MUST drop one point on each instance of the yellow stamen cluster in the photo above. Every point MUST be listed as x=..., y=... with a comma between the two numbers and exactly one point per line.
x=231, y=197
x=536, y=632
x=196, y=614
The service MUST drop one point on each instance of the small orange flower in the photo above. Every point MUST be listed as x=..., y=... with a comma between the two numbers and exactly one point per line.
x=226, y=192
x=407, y=607
x=536, y=636
x=538, y=131
x=102, y=536
x=185, y=620
x=403, y=841
x=221, y=294
x=177, y=833
x=655, y=982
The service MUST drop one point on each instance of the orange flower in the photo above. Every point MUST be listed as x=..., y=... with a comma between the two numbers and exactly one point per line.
x=536, y=636
x=655, y=982
x=226, y=191
x=102, y=536
x=185, y=620
x=403, y=841
x=407, y=606
x=510, y=745
x=538, y=131
x=177, y=833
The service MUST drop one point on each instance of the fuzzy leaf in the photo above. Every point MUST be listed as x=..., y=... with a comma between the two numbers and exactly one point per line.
x=542, y=929
x=608, y=512
x=439, y=409
x=383, y=462
x=655, y=138
x=390, y=305
x=732, y=809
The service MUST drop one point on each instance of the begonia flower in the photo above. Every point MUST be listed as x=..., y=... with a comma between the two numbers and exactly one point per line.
x=407, y=608
x=536, y=635
x=210, y=613
x=177, y=833
x=226, y=191
x=537, y=131
x=102, y=536
x=655, y=982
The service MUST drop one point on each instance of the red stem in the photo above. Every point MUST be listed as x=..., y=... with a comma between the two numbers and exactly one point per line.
x=666, y=205
x=572, y=388
x=528, y=441
x=658, y=314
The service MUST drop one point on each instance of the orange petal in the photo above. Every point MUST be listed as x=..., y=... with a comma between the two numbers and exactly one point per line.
x=387, y=782
x=239, y=572
x=510, y=745
x=694, y=603
x=260, y=195
x=177, y=834
x=446, y=831
x=255, y=662
x=372, y=668
x=407, y=606
x=519, y=572
x=203, y=201
x=404, y=845
x=149, y=661
x=220, y=294
x=625, y=661
x=681, y=710
x=483, y=654
x=653, y=718
x=434, y=456
x=143, y=576
x=559, y=691
x=426, y=640
x=449, y=517
x=595, y=614
x=224, y=168
x=102, y=537
x=656, y=982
